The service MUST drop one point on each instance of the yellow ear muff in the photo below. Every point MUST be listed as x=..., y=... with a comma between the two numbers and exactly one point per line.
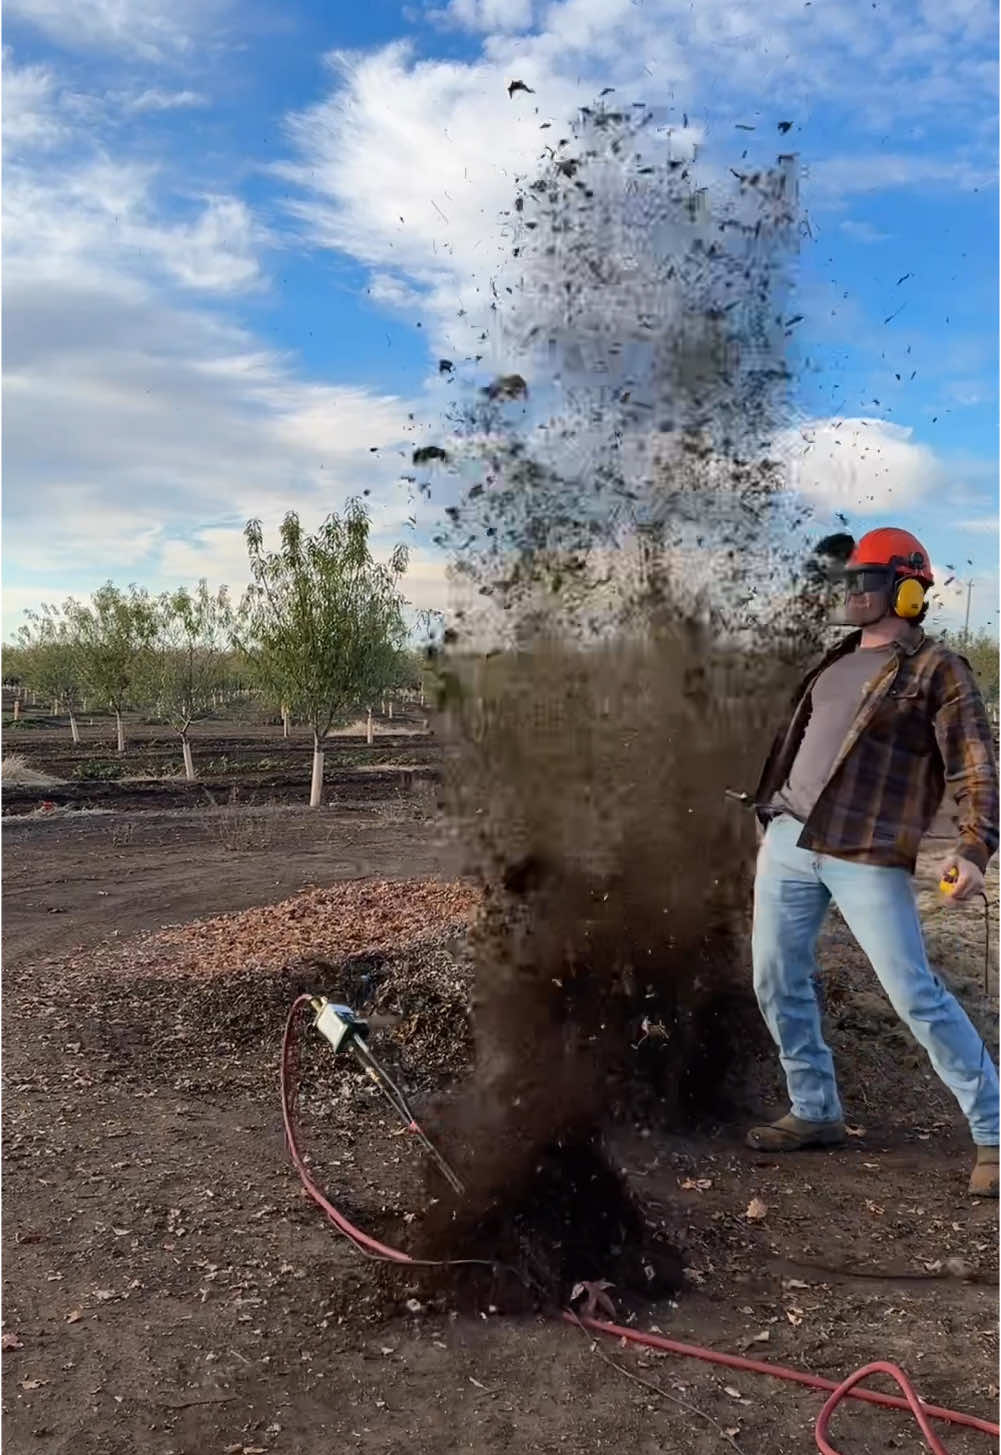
x=909, y=598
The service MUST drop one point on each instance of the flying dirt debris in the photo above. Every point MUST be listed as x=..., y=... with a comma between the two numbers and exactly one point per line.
x=508, y=386
x=602, y=688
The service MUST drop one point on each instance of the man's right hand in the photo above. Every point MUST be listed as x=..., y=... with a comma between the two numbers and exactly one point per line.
x=968, y=879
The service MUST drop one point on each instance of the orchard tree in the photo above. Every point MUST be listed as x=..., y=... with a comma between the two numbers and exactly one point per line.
x=50, y=661
x=322, y=621
x=189, y=663
x=13, y=674
x=981, y=650
x=111, y=638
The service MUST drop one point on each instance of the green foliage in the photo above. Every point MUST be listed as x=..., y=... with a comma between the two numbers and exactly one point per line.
x=48, y=661
x=981, y=651
x=188, y=657
x=94, y=771
x=110, y=638
x=322, y=622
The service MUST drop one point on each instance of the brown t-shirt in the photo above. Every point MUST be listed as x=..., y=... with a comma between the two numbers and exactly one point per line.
x=835, y=698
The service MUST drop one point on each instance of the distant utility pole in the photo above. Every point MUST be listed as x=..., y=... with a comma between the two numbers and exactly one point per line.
x=966, y=624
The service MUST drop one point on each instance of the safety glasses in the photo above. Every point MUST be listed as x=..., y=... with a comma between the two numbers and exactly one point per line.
x=859, y=580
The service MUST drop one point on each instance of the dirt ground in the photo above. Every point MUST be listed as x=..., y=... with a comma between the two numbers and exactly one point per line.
x=168, y=1288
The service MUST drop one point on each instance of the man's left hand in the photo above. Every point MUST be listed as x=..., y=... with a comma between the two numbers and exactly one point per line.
x=969, y=881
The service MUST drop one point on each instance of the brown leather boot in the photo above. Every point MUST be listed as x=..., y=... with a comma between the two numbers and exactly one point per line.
x=984, y=1177
x=792, y=1134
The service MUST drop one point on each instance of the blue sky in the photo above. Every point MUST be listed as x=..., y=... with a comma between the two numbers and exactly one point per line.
x=237, y=238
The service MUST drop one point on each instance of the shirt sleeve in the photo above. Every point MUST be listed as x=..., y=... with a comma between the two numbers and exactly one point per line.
x=966, y=743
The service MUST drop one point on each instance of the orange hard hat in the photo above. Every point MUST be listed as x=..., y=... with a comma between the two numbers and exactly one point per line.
x=898, y=549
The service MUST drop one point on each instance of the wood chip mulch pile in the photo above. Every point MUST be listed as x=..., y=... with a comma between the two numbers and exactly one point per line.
x=349, y=918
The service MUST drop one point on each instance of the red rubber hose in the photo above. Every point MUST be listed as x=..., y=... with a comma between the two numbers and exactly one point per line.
x=340, y=1222
x=880, y=1367
x=847, y=1389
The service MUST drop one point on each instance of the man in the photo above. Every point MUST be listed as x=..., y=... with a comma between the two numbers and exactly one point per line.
x=851, y=785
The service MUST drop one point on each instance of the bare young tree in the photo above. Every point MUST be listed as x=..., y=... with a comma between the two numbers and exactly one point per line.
x=322, y=621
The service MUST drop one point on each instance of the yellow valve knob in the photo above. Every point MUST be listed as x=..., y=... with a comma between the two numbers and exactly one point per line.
x=948, y=883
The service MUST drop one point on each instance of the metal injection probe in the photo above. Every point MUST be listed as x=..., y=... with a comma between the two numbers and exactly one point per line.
x=347, y=1031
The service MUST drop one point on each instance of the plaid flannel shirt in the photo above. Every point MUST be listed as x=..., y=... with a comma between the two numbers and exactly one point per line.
x=921, y=726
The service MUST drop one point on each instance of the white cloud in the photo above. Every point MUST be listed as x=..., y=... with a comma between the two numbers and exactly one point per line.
x=98, y=216
x=155, y=99
x=410, y=163
x=486, y=15
x=151, y=29
x=30, y=118
x=843, y=177
x=979, y=524
x=142, y=427
x=862, y=466
x=862, y=232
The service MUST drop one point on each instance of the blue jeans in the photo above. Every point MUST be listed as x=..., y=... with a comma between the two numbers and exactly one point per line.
x=792, y=891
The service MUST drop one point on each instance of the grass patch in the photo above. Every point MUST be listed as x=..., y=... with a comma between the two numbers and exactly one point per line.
x=96, y=771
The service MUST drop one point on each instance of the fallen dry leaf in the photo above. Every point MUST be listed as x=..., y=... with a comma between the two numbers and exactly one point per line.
x=732, y=1392
x=756, y=1209
x=696, y=1184
x=855, y=1131
x=795, y=1316
x=74, y=1316
x=10, y=1341
x=33, y=1383
x=597, y=1299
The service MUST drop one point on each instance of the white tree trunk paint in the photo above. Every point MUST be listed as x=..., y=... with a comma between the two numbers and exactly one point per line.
x=285, y=722
x=17, y=708
x=369, y=733
x=189, y=762
x=74, y=730
x=316, y=785
x=121, y=731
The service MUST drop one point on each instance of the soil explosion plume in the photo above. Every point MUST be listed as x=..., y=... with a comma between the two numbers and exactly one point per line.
x=635, y=600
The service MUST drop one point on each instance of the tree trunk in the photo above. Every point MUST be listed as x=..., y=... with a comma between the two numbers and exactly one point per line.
x=189, y=763
x=121, y=730
x=55, y=707
x=369, y=735
x=74, y=730
x=316, y=785
x=17, y=708
x=391, y=709
x=422, y=694
x=83, y=705
x=285, y=722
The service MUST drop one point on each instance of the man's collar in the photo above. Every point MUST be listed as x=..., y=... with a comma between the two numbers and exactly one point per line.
x=909, y=648
x=854, y=639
